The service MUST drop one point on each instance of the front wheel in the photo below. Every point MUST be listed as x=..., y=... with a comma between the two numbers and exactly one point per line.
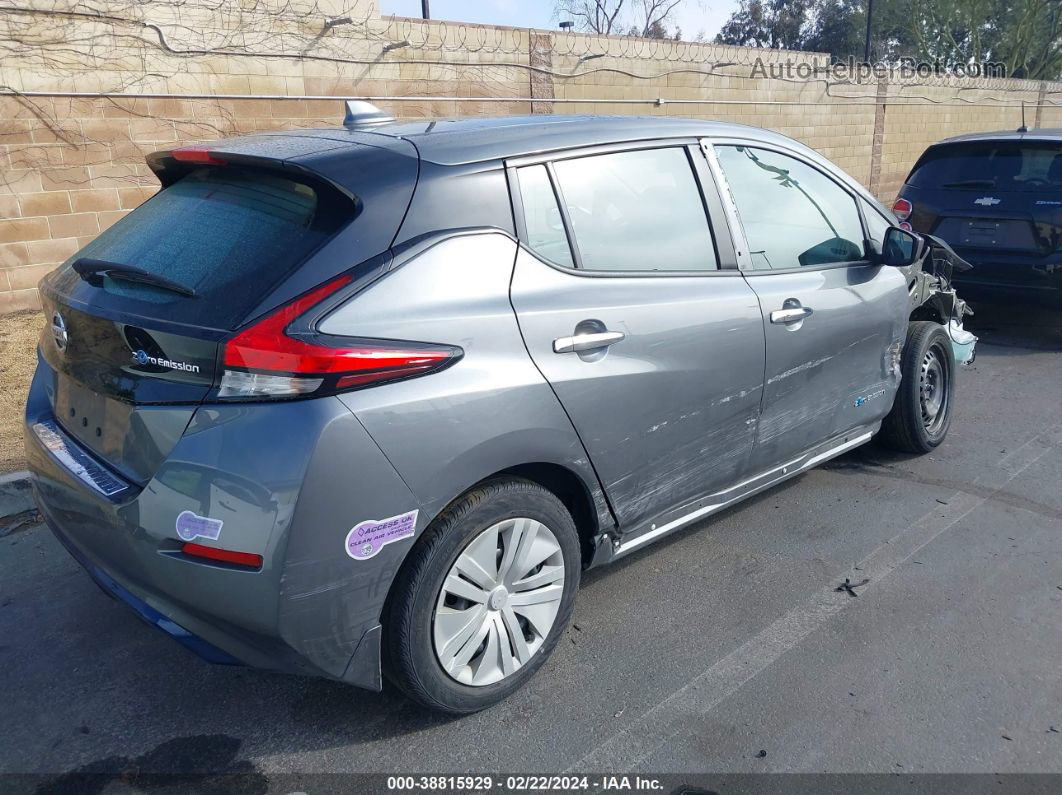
x=921, y=414
x=483, y=598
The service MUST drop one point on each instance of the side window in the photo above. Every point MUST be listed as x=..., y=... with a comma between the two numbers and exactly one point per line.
x=542, y=218
x=793, y=215
x=636, y=211
x=877, y=224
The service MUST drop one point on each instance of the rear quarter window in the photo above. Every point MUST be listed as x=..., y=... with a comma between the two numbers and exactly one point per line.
x=229, y=234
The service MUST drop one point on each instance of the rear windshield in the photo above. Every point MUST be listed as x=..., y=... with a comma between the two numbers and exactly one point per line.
x=228, y=234
x=1001, y=166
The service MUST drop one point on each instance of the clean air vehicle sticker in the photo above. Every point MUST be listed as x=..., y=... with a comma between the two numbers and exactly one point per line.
x=367, y=538
x=191, y=526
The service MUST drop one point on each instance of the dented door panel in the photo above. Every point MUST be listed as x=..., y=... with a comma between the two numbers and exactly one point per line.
x=835, y=369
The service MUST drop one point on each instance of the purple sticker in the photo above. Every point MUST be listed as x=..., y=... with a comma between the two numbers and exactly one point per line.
x=367, y=538
x=191, y=526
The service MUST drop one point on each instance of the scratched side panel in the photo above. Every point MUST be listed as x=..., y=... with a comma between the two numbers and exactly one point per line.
x=328, y=599
x=833, y=371
x=667, y=414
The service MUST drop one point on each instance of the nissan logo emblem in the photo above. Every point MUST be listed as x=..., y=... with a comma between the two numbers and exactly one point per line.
x=59, y=331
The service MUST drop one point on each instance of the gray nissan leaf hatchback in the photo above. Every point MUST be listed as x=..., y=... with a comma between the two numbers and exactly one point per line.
x=368, y=400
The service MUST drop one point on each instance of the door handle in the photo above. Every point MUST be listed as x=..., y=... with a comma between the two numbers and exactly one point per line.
x=790, y=314
x=587, y=342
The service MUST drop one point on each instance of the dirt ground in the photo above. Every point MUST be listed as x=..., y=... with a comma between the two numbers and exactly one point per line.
x=18, y=357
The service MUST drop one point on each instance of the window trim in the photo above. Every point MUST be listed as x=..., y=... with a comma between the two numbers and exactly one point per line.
x=711, y=205
x=739, y=233
x=566, y=218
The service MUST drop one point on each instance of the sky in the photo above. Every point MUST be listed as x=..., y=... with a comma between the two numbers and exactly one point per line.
x=692, y=15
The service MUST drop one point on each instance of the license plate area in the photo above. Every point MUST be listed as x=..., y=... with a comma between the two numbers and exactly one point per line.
x=981, y=233
x=97, y=422
x=998, y=234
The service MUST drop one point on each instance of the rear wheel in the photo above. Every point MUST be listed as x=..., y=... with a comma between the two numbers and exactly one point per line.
x=483, y=598
x=921, y=414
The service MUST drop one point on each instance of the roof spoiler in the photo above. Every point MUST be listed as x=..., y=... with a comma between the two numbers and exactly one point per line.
x=360, y=113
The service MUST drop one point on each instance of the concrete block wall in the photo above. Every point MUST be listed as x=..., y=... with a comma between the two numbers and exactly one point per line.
x=85, y=93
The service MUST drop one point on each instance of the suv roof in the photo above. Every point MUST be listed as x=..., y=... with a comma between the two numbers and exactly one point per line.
x=457, y=141
x=1006, y=135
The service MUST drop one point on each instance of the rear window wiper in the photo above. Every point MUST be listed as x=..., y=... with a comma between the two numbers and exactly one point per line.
x=86, y=267
x=971, y=183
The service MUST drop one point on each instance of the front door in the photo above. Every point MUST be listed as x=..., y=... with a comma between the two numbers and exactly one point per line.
x=833, y=321
x=655, y=352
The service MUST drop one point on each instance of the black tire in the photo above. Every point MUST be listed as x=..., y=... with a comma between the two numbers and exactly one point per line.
x=410, y=661
x=927, y=366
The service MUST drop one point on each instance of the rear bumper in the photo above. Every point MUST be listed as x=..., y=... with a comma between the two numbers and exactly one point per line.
x=110, y=586
x=307, y=610
x=1012, y=274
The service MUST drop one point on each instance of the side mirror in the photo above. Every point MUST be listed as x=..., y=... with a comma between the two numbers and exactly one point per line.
x=901, y=248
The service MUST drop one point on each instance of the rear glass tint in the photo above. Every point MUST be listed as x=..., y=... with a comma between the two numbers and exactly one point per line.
x=229, y=234
x=996, y=165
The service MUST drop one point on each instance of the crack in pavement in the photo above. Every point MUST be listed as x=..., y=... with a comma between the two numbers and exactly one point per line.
x=644, y=735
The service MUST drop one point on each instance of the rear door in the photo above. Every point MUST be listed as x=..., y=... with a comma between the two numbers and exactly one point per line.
x=135, y=318
x=832, y=320
x=634, y=312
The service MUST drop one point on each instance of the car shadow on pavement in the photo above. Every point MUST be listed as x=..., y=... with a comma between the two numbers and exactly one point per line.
x=1019, y=327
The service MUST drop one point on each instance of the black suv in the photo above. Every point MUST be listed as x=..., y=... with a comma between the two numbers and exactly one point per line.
x=997, y=199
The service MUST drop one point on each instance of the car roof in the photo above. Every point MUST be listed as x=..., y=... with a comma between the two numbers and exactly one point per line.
x=1005, y=135
x=451, y=142
x=455, y=141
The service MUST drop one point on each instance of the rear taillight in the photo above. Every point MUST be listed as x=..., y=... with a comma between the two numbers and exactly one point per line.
x=902, y=209
x=271, y=359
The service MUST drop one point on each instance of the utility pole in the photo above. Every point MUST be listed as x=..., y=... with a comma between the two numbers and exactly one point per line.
x=425, y=12
x=866, y=45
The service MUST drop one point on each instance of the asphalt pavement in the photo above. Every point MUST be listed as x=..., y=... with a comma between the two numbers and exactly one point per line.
x=723, y=648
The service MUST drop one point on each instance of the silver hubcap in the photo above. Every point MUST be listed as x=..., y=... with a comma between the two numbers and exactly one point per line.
x=933, y=391
x=498, y=602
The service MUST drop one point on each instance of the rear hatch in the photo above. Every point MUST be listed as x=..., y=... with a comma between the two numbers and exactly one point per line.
x=136, y=320
x=998, y=203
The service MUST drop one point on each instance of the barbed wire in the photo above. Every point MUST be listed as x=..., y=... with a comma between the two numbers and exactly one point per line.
x=282, y=30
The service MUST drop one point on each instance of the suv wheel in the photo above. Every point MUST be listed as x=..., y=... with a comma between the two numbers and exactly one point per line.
x=483, y=598
x=921, y=414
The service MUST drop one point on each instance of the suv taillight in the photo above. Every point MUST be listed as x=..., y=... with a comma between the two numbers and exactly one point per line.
x=270, y=360
x=902, y=209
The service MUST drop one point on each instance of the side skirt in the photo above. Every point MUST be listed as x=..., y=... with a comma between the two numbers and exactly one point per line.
x=723, y=499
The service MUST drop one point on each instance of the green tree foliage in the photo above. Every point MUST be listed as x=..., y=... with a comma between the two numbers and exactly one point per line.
x=1024, y=35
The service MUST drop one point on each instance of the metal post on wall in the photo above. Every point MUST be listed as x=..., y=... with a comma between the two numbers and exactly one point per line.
x=866, y=44
x=425, y=12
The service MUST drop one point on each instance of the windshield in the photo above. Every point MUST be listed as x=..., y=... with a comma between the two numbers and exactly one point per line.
x=226, y=234
x=1011, y=166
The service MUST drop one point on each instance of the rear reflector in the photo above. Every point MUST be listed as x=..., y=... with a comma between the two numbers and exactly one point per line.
x=268, y=360
x=223, y=555
x=902, y=209
x=196, y=154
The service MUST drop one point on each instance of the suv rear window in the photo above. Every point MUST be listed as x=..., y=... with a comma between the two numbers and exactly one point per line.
x=999, y=165
x=230, y=234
